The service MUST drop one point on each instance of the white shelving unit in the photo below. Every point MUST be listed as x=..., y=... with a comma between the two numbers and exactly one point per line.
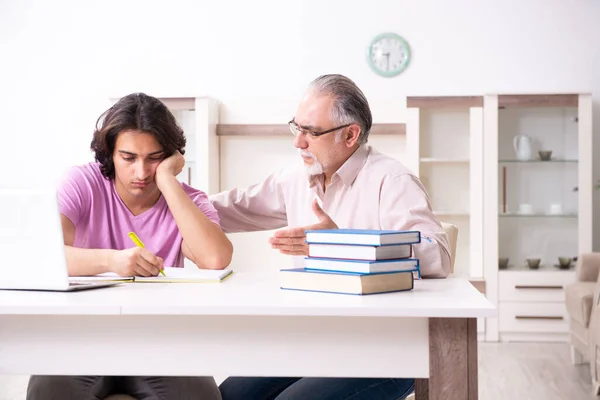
x=531, y=301
x=444, y=142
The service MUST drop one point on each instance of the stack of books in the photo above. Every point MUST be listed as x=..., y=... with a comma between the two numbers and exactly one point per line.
x=356, y=261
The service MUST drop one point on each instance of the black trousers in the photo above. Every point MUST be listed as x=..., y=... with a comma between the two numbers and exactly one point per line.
x=42, y=387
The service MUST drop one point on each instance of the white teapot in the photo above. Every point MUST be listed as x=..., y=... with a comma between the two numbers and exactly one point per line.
x=522, y=145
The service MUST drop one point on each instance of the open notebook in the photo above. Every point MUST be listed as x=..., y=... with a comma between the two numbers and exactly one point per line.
x=173, y=275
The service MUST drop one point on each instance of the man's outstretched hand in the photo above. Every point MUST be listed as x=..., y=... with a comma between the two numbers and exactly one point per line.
x=292, y=241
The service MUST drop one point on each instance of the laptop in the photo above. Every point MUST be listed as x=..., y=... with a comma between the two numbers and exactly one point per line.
x=32, y=254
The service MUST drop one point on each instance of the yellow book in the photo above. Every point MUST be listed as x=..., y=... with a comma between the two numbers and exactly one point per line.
x=346, y=282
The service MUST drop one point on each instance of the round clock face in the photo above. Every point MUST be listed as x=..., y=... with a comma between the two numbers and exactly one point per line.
x=388, y=55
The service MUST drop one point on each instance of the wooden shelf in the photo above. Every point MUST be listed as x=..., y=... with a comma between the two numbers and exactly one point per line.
x=538, y=100
x=179, y=103
x=542, y=267
x=551, y=161
x=432, y=160
x=479, y=284
x=253, y=130
x=172, y=103
x=537, y=215
x=284, y=130
x=444, y=101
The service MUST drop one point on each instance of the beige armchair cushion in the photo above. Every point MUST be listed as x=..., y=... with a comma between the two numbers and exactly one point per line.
x=579, y=299
x=593, y=349
x=452, y=233
x=588, y=267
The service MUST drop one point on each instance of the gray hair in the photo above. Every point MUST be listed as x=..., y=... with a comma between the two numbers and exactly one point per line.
x=350, y=104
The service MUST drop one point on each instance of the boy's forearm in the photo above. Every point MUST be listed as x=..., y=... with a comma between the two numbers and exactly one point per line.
x=200, y=234
x=82, y=262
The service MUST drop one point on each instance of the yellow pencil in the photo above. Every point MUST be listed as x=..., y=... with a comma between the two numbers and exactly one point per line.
x=139, y=243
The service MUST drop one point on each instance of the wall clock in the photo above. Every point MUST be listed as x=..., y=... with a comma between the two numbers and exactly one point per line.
x=388, y=54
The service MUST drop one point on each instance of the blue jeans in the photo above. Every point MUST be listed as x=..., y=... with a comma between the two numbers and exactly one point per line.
x=241, y=388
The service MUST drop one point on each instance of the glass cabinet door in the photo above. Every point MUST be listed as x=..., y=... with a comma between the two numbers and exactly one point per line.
x=537, y=187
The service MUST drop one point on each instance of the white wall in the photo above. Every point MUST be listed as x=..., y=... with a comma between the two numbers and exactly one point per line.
x=60, y=60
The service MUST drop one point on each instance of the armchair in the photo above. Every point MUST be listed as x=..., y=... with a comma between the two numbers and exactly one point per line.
x=452, y=233
x=584, y=315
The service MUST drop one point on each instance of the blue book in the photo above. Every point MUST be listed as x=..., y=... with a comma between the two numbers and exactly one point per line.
x=371, y=237
x=345, y=282
x=361, y=266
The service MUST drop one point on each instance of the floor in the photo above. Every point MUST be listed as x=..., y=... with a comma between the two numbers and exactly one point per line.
x=531, y=371
x=507, y=371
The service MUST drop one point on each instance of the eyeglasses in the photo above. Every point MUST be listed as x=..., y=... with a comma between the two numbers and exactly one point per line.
x=296, y=130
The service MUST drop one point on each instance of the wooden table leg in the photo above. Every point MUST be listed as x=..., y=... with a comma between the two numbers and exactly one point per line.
x=452, y=361
x=421, y=389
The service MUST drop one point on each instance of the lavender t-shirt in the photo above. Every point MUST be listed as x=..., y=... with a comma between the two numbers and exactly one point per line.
x=102, y=221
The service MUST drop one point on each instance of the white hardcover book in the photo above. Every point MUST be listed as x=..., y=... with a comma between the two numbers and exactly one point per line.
x=371, y=237
x=359, y=252
x=361, y=266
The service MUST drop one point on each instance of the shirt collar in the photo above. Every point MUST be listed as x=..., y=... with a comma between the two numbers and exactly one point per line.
x=348, y=172
x=350, y=169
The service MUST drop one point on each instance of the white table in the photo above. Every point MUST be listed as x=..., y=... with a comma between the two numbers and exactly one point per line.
x=247, y=326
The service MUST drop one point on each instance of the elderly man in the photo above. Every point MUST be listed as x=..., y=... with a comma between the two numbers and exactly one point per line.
x=344, y=183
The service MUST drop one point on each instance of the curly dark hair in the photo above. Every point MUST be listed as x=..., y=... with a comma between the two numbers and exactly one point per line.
x=140, y=112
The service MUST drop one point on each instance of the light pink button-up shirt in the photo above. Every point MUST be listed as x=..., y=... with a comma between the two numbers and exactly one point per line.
x=370, y=191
